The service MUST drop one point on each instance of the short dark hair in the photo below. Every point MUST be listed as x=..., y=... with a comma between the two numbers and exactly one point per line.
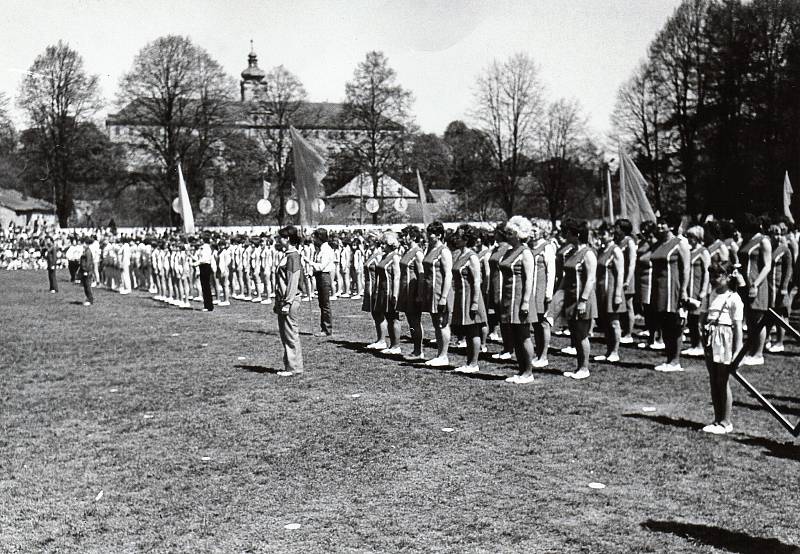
x=436, y=228
x=413, y=232
x=724, y=267
x=468, y=233
x=321, y=234
x=624, y=225
x=575, y=227
x=290, y=232
x=713, y=229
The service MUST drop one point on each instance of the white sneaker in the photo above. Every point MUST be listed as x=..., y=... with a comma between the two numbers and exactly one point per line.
x=581, y=374
x=512, y=379
x=357, y=297
x=524, y=380
x=493, y=336
x=87, y=303
x=540, y=363
x=438, y=362
x=775, y=348
x=569, y=351
x=484, y=350
x=225, y=303
x=380, y=345
x=660, y=367
x=568, y=373
x=392, y=351
x=502, y=356
x=642, y=345
x=284, y=373
x=414, y=358
x=600, y=358
x=753, y=360
x=671, y=368
x=467, y=369
x=713, y=428
x=658, y=345
x=266, y=301
x=613, y=358
x=565, y=332
x=461, y=344
x=694, y=352
x=626, y=340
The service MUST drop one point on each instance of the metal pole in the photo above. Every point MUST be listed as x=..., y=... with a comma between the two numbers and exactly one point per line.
x=610, y=197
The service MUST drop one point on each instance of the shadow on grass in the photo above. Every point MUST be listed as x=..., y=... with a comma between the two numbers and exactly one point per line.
x=354, y=346
x=785, y=410
x=774, y=449
x=666, y=420
x=257, y=368
x=623, y=365
x=480, y=376
x=77, y=302
x=783, y=398
x=259, y=332
x=732, y=541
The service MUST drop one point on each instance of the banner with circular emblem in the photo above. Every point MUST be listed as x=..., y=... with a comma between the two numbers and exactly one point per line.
x=292, y=207
x=372, y=205
x=264, y=206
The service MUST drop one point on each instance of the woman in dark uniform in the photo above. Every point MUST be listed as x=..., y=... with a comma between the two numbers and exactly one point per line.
x=644, y=286
x=469, y=312
x=517, y=267
x=495, y=292
x=368, y=303
x=610, y=293
x=671, y=270
x=387, y=290
x=437, y=290
x=780, y=279
x=755, y=257
x=409, y=300
x=699, y=286
x=580, y=300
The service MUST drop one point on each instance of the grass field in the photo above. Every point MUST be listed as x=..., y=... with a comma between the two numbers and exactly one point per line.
x=178, y=419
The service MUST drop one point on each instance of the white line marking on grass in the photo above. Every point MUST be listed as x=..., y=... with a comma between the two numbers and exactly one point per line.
x=99, y=496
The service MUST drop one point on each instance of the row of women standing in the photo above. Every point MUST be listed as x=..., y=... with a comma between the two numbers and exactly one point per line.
x=522, y=280
x=467, y=281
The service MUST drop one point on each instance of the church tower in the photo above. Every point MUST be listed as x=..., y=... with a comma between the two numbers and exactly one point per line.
x=252, y=77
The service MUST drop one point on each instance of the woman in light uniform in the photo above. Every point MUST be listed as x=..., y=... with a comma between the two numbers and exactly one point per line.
x=544, y=277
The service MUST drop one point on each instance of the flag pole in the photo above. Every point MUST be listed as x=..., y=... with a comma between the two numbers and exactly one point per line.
x=608, y=191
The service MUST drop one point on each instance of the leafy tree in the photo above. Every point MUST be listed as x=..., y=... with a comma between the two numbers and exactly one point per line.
x=59, y=98
x=472, y=170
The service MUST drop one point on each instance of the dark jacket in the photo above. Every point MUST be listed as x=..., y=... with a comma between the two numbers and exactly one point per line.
x=87, y=261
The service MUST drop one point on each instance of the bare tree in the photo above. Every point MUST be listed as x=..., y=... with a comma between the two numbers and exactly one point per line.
x=508, y=105
x=640, y=123
x=279, y=104
x=58, y=96
x=566, y=157
x=378, y=108
x=177, y=101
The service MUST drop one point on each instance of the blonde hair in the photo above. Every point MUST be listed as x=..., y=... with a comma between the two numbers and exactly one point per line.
x=696, y=232
x=390, y=238
x=520, y=226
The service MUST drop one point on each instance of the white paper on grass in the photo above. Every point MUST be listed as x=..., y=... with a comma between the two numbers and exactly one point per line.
x=99, y=496
x=292, y=526
x=648, y=409
x=596, y=486
x=448, y=429
x=206, y=458
x=355, y=396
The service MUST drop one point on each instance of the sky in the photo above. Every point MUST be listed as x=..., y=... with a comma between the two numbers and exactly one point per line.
x=585, y=49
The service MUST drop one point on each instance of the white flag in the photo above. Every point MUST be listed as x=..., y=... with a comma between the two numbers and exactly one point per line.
x=787, y=197
x=186, y=208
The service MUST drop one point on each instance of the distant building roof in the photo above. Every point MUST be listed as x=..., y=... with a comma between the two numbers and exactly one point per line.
x=15, y=200
x=309, y=115
x=361, y=187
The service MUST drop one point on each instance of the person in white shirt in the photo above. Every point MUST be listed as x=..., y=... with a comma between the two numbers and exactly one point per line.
x=204, y=260
x=73, y=255
x=125, y=267
x=324, y=264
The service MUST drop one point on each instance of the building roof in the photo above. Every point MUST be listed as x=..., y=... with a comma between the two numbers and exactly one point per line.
x=309, y=115
x=361, y=187
x=15, y=200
